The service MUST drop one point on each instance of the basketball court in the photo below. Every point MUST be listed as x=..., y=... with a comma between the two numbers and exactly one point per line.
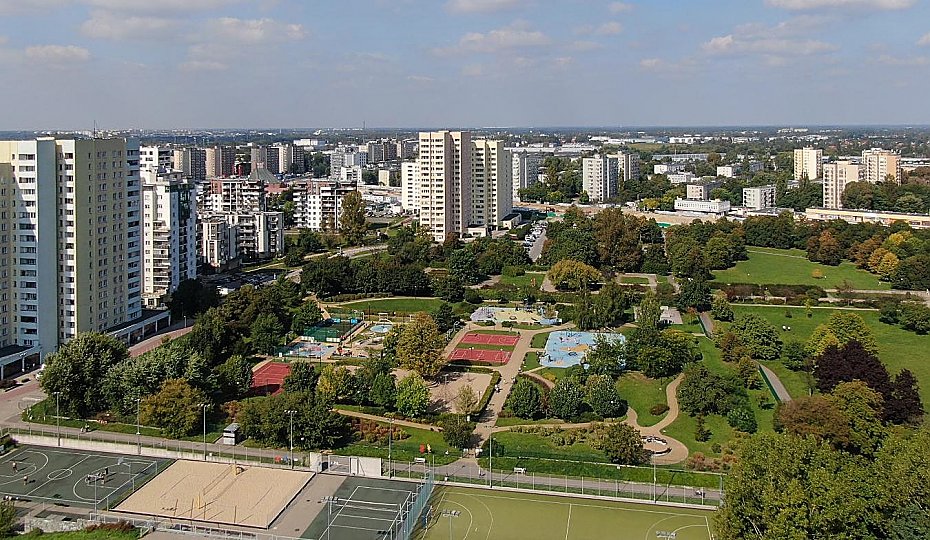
x=481, y=355
x=490, y=339
x=268, y=378
x=218, y=493
x=69, y=477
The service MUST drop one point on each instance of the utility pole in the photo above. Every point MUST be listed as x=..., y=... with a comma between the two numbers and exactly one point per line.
x=204, y=405
x=139, y=426
x=58, y=416
x=291, y=412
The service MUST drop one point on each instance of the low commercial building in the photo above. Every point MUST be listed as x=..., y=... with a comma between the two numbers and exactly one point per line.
x=668, y=168
x=715, y=206
x=916, y=221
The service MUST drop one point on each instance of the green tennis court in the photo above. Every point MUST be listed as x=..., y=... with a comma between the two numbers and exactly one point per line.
x=460, y=513
x=331, y=330
x=363, y=509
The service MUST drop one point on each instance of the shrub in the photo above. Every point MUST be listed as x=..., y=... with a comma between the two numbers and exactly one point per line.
x=742, y=419
x=513, y=271
x=658, y=408
x=472, y=296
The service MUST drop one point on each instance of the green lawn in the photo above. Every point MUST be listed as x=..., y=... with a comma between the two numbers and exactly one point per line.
x=641, y=393
x=531, y=361
x=504, y=421
x=539, y=340
x=405, y=305
x=795, y=382
x=500, y=515
x=634, y=280
x=533, y=445
x=526, y=280
x=897, y=348
x=791, y=267
x=406, y=449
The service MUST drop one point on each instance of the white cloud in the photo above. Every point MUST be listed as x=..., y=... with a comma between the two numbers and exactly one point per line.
x=609, y=29
x=159, y=6
x=879, y=5
x=583, y=46
x=21, y=7
x=906, y=61
x=420, y=78
x=619, y=7
x=481, y=6
x=107, y=25
x=924, y=40
x=203, y=65
x=731, y=44
x=650, y=63
x=515, y=36
x=253, y=31
x=473, y=70
x=57, y=54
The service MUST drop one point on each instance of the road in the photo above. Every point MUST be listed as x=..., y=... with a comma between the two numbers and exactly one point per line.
x=536, y=249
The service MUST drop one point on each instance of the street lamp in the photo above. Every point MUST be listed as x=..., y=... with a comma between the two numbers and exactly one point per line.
x=292, y=412
x=204, y=405
x=58, y=416
x=139, y=426
x=390, y=448
x=450, y=514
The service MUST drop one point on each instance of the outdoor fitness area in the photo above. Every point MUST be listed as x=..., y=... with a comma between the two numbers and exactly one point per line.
x=370, y=509
x=218, y=493
x=499, y=315
x=458, y=513
x=73, y=477
x=566, y=348
x=308, y=349
x=333, y=330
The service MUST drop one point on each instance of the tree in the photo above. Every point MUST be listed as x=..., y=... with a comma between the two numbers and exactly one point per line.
x=607, y=357
x=829, y=251
x=841, y=328
x=758, y=336
x=336, y=384
x=717, y=253
x=445, y=317
x=352, y=223
x=191, y=298
x=316, y=425
x=904, y=405
x=610, y=306
x=663, y=355
x=813, y=416
x=384, y=390
x=623, y=445
x=573, y=275
x=602, y=396
x=466, y=400
x=456, y=430
x=412, y=396
x=266, y=333
x=704, y=392
x=303, y=378
x=694, y=294
x=524, y=399
x=463, y=264
x=720, y=308
x=419, y=346
x=77, y=371
x=915, y=317
x=176, y=408
x=618, y=239
x=848, y=363
x=235, y=376
x=305, y=317
x=742, y=419
x=566, y=399
x=7, y=518
x=862, y=407
x=449, y=288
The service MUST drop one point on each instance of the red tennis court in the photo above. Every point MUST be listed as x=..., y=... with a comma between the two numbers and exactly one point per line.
x=481, y=355
x=269, y=378
x=490, y=339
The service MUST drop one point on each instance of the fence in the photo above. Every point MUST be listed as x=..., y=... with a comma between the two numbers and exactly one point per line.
x=664, y=490
x=416, y=508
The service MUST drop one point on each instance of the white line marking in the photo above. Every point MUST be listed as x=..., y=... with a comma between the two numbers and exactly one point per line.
x=568, y=524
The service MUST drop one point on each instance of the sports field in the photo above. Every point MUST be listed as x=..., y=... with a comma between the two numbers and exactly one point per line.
x=791, y=267
x=473, y=338
x=481, y=355
x=362, y=509
x=477, y=513
x=268, y=378
x=74, y=477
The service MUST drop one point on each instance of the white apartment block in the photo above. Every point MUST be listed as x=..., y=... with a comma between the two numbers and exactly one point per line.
x=808, y=162
x=836, y=176
x=220, y=161
x=880, y=165
x=169, y=232
x=347, y=156
x=445, y=182
x=599, y=177
x=728, y=171
x=318, y=203
x=715, y=206
x=155, y=158
x=192, y=162
x=491, y=183
x=668, y=168
x=525, y=168
x=410, y=186
x=241, y=202
x=628, y=167
x=682, y=178
x=699, y=192
x=760, y=197
x=217, y=239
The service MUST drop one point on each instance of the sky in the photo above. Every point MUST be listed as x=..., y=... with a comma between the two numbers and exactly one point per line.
x=159, y=64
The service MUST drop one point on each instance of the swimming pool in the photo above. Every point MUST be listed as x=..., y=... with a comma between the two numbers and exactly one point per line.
x=380, y=328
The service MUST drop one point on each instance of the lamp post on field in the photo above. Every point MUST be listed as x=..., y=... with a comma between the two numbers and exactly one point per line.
x=390, y=448
x=292, y=412
x=139, y=426
x=204, y=405
x=58, y=416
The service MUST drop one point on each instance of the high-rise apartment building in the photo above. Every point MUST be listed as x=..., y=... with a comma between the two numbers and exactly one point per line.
x=217, y=239
x=759, y=197
x=241, y=202
x=155, y=158
x=410, y=186
x=169, y=231
x=268, y=158
x=525, y=168
x=836, y=176
x=808, y=162
x=599, y=177
x=407, y=149
x=220, y=161
x=318, y=203
x=192, y=162
x=445, y=182
x=491, y=182
x=379, y=151
x=880, y=165
x=628, y=167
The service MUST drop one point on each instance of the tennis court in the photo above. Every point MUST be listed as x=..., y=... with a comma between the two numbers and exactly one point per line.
x=490, y=339
x=363, y=509
x=331, y=330
x=69, y=477
x=268, y=378
x=458, y=513
x=481, y=355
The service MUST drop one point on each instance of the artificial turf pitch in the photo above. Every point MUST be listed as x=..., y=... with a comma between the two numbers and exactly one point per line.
x=501, y=515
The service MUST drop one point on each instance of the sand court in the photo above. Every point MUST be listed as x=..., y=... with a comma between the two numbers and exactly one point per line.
x=219, y=493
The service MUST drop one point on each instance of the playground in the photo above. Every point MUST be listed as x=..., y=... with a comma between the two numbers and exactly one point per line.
x=458, y=513
x=308, y=349
x=74, y=477
x=364, y=509
x=218, y=493
x=566, y=348
x=499, y=315
x=268, y=377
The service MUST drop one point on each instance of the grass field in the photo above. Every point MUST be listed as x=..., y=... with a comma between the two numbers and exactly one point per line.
x=531, y=361
x=526, y=280
x=791, y=267
x=897, y=348
x=634, y=280
x=460, y=513
x=641, y=393
x=406, y=305
x=405, y=449
x=539, y=340
x=795, y=382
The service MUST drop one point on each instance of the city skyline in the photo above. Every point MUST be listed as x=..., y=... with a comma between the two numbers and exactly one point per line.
x=262, y=63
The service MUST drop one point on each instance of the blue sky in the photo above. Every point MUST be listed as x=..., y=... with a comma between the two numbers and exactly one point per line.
x=434, y=63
